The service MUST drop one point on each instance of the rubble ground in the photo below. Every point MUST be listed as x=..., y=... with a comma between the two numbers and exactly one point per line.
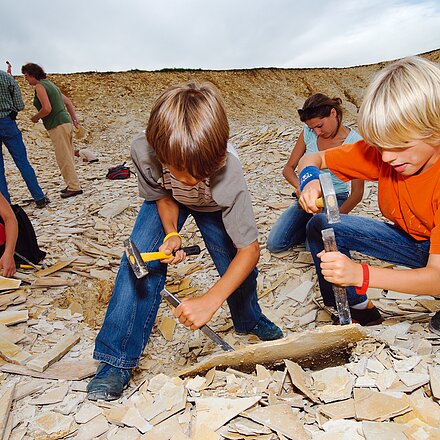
x=384, y=385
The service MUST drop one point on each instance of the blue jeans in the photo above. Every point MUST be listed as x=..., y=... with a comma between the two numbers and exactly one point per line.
x=10, y=135
x=290, y=229
x=370, y=237
x=134, y=303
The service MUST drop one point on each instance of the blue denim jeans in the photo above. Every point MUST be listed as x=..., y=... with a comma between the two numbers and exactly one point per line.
x=10, y=135
x=370, y=237
x=134, y=303
x=290, y=229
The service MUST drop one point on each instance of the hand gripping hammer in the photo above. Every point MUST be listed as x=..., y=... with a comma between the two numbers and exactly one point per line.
x=137, y=263
x=331, y=210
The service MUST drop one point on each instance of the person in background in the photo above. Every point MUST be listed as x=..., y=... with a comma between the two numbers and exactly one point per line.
x=51, y=105
x=399, y=120
x=323, y=129
x=185, y=167
x=9, y=69
x=11, y=103
x=8, y=238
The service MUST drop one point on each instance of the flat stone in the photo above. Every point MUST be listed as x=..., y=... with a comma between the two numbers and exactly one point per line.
x=332, y=384
x=377, y=406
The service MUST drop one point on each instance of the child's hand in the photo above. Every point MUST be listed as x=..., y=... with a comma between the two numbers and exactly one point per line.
x=7, y=264
x=338, y=269
x=194, y=312
x=309, y=194
x=173, y=244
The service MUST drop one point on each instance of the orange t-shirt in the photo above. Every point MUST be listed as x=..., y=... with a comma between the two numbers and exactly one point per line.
x=410, y=202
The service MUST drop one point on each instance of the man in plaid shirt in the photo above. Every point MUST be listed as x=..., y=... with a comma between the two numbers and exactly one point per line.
x=11, y=103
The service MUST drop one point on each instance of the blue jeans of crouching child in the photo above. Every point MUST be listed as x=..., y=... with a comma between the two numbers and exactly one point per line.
x=11, y=136
x=290, y=229
x=370, y=237
x=134, y=303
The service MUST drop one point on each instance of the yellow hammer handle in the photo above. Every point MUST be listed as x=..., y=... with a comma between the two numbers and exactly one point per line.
x=320, y=203
x=151, y=256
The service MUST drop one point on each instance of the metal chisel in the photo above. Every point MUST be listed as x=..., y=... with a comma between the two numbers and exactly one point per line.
x=174, y=301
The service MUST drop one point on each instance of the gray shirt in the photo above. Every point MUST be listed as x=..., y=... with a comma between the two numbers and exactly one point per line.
x=228, y=190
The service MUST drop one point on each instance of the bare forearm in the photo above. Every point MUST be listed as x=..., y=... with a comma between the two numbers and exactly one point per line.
x=169, y=213
x=290, y=175
x=423, y=281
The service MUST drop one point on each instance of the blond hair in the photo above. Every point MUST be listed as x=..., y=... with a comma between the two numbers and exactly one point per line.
x=402, y=104
x=188, y=129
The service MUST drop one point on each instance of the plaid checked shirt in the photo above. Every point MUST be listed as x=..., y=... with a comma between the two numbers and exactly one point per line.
x=10, y=95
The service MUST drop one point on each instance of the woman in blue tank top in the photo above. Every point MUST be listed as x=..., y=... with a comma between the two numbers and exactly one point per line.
x=323, y=129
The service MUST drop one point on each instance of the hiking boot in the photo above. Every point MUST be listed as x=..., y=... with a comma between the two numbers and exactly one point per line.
x=434, y=325
x=108, y=383
x=42, y=202
x=70, y=193
x=366, y=317
x=265, y=330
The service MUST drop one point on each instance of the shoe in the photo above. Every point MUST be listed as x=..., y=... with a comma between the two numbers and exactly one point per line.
x=434, y=325
x=70, y=193
x=109, y=382
x=366, y=317
x=42, y=202
x=265, y=330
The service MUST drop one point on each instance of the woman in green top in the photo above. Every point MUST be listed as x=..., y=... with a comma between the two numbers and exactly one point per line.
x=51, y=105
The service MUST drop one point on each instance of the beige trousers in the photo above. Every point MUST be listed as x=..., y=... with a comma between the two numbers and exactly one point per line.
x=62, y=139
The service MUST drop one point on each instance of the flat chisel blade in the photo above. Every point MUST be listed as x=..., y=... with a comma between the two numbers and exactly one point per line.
x=208, y=331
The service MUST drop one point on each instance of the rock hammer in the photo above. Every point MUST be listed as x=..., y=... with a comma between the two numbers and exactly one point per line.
x=331, y=210
x=137, y=259
x=137, y=262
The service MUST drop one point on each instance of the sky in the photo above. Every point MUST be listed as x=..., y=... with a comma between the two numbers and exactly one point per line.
x=109, y=35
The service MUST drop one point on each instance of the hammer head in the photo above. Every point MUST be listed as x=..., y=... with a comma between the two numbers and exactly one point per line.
x=135, y=259
x=329, y=195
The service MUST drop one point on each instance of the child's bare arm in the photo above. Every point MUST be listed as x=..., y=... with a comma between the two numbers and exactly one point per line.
x=168, y=211
x=339, y=269
x=194, y=312
x=289, y=169
x=356, y=194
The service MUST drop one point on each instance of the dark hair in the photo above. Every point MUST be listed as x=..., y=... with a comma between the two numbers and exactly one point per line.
x=34, y=70
x=189, y=130
x=320, y=106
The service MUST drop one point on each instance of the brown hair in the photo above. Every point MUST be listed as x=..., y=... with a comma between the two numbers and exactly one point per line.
x=188, y=129
x=320, y=106
x=34, y=70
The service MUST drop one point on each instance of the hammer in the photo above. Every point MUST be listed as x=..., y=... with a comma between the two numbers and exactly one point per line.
x=137, y=263
x=331, y=210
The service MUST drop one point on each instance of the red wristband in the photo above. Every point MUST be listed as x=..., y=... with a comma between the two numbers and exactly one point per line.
x=366, y=281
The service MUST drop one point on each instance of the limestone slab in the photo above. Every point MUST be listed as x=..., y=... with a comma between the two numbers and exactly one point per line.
x=376, y=406
x=41, y=362
x=279, y=418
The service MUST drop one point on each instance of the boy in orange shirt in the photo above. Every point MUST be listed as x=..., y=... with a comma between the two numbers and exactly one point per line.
x=399, y=121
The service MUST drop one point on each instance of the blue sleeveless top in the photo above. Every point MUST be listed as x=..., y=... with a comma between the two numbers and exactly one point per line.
x=311, y=141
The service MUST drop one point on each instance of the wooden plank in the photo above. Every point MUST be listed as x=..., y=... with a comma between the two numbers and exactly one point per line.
x=5, y=408
x=12, y=353
x=65, y=369
x=41, y=362
x=316, y=349
x=61, y=264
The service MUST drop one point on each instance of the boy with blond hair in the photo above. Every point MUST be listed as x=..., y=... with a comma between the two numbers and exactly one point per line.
x=399, y=121
x=185, y=167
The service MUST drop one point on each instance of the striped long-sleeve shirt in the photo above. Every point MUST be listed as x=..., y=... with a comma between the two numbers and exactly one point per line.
x=10, y=95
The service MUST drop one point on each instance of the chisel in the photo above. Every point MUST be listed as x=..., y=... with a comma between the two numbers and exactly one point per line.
x=174, y=301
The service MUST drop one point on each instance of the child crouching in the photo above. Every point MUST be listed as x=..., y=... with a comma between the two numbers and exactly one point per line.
x=399, y=121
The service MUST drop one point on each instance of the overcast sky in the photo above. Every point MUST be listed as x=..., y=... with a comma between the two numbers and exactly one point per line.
x=109, y=35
